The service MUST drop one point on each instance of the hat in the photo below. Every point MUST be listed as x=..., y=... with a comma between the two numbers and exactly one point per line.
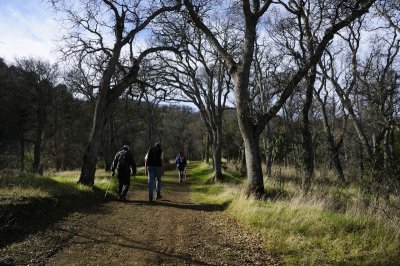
x=126, y=147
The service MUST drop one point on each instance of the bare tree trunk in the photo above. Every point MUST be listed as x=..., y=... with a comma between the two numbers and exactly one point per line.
x=88, y=168
x=334, y=149
x=307, y=143
x=387, y=152
x=337, y=165
x=250, y=136
x=242, y=159
x=109, y=145
x=207, y=150
x=268, y=151
x=253, y=167
x=252, y=155
x=308, y=158
x=217, y=161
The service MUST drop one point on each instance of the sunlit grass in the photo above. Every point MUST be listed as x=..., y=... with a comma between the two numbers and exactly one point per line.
x=329, y=226
x=206, y=192
x=21, y=186
x=305, y=233
x=16, y=187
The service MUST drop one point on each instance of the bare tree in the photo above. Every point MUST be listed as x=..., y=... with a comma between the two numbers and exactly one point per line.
x=390, y=11
x=368, y=90
x=265, y=69
x=105, y=34
x=337, y=17
x=200, y=77
x=322, y=95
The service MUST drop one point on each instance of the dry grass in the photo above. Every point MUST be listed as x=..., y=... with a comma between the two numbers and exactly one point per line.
x=329, y=225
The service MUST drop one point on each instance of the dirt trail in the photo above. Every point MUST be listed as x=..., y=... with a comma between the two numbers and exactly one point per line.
x=171, y=231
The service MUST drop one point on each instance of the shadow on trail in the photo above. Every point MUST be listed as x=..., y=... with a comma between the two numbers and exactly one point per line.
x=180, y=205
x=20, y=219
x=166, y=185
x=131, y=243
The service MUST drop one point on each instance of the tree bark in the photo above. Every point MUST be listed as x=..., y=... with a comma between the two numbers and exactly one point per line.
x=307, y=143
x=334, y=150
x=88, y=168
x=217, y=161
x=388, y=151
x=109, y=144
x=268, y=151
x=207, y=150
x=253, y=166
x=248, y=131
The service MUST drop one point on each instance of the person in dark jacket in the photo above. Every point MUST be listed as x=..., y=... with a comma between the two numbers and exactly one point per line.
x=125, y=164
x=154, y=167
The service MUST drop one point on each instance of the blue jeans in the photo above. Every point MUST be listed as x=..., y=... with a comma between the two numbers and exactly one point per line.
x=154, y=173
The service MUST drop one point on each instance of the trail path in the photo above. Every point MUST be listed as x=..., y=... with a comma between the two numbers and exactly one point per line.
x=171, y=231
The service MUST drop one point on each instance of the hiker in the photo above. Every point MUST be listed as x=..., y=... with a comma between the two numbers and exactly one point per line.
x=124, y=163
x=154, y=166
x=180, y=163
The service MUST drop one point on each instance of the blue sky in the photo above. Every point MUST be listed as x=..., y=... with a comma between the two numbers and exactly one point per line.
x=27, y=29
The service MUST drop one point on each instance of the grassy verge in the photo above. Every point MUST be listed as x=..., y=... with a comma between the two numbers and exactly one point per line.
x=30, y=202
x=16, y=186
x=306, y=230
x=206, y=192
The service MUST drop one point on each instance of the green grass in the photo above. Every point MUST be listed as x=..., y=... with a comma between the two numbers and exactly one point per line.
x=29, y=202
x=17, y=187
x=206, y=192
x=328, y=227
x=310, y=235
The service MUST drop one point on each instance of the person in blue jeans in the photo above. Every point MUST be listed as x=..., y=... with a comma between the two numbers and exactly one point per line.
x=154, y=167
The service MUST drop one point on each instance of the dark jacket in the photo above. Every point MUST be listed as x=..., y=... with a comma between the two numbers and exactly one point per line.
x=124, y=162
x=154, y=157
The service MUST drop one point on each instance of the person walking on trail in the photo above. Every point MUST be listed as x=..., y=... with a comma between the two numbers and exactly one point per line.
x=125, y=164
x=154, y=167
x=180, y=163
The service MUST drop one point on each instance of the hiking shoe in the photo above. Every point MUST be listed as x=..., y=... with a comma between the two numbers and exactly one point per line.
x=158, y=197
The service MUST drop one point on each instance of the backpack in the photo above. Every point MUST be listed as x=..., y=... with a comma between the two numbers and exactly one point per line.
x=123, y=164
x=178, y=161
